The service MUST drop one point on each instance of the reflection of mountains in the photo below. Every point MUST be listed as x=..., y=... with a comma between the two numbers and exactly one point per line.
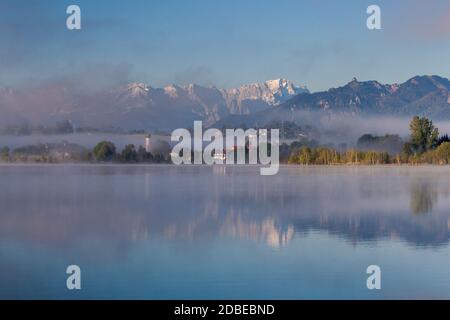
x=123, y=210
x=279, y=231
x=226, y=221
x=240, y=224
x=268, y=230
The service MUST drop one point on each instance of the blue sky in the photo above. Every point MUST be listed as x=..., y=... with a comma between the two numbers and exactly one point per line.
x=225, y=43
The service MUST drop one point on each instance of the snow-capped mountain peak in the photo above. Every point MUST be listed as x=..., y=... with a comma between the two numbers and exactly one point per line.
x=172, y=90
x=136, y=89
x=284, y=85
x=272, y=92
x=242, y=100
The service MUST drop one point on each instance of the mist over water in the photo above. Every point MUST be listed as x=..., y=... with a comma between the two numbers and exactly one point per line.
x=347, y=128
x=224, y=232
x=327, y=130
x=84, y=139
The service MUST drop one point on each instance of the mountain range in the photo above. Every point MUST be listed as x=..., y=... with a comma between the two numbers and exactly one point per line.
x=138, y=106
x=421, y=95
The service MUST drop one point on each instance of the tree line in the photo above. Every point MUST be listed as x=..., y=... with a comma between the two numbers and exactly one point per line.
x=104, y=151
x=425, y=146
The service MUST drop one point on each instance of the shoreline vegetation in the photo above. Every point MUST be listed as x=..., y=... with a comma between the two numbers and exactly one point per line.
x=65, y=152
x=424, y=147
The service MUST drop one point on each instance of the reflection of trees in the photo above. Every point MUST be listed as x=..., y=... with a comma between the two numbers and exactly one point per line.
x=186, y=206
x=371, y=227
x=423, y=197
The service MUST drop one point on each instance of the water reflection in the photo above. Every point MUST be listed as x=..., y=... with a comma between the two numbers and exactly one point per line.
x=131, y=204
x=423, y=197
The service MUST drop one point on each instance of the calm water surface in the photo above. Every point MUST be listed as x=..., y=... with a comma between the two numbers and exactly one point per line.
x=197, y=232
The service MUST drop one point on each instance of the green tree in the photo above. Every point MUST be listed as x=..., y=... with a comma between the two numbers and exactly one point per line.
x=406, y=153
x=104, y=151
x=129, y=154
x=4, y=154
x=424, y=136
x=143, y=155
x=443, y=139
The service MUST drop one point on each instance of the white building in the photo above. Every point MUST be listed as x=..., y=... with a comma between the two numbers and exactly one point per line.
x=147, y=143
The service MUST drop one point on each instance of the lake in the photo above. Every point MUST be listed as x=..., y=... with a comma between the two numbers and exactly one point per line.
x=224, y=232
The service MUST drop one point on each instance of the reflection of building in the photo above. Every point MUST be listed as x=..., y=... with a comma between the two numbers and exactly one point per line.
x=219, y=156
